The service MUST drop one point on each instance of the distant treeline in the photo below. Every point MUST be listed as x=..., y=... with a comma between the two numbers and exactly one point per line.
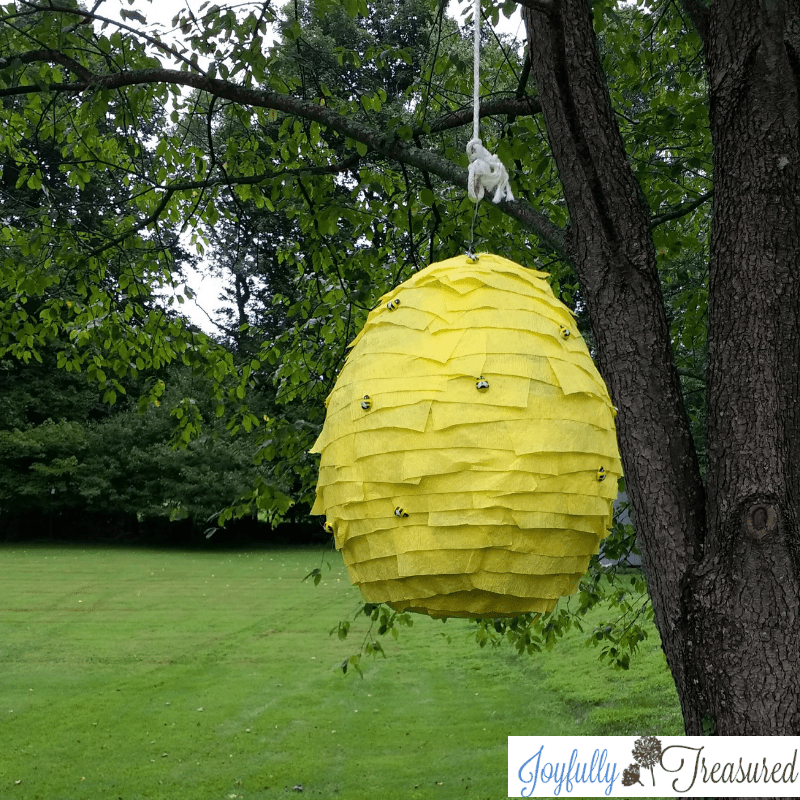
x=74, y=468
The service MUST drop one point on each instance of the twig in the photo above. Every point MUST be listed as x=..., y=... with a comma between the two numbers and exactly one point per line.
x=681, y=211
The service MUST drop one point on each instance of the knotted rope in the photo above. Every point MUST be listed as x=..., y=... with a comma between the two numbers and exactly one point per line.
x=486, y=174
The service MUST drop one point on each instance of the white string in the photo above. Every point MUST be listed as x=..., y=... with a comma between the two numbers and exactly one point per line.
x=476, y=72
x=486, y=171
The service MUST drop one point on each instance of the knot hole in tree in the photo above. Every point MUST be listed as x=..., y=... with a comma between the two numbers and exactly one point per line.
x=760, y=519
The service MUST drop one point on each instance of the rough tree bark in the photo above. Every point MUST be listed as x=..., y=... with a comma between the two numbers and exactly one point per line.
x=721, y=560
x=746, y=596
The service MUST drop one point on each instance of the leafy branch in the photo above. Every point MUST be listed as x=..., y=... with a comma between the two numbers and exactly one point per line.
x=387, y=621
x=245, y=180
x=389, y=144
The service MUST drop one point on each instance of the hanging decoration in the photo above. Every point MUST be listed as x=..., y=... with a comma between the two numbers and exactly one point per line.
x=479, y=479
x=469, y=460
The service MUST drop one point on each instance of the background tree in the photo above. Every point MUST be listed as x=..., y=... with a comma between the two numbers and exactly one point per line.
x=72, y=466
x=610, y=124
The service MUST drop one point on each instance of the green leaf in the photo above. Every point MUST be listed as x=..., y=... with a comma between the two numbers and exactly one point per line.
x=292, y=31
x=134, y=15
x=427, y=197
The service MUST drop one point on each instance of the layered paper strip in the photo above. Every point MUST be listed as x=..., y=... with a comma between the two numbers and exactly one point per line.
x=469, y=458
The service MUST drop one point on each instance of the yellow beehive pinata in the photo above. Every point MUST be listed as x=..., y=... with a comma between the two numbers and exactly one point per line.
x=469, y=460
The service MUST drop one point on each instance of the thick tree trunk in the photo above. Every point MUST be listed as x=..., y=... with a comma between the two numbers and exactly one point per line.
x=721, y=566
x=746, y=597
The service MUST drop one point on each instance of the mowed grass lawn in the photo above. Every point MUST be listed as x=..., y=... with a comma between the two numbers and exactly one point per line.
x=133, y=674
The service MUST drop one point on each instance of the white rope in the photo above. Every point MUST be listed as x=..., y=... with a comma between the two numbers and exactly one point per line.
x=486, y=171
x=476, y=72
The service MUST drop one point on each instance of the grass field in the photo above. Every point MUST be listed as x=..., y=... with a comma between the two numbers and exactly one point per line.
x=164, y=675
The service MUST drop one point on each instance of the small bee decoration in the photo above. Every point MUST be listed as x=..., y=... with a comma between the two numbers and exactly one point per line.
x=398, y=512
x=392, y=304
x=481, y=384
x=329, y=528
x=565, y=332
x=366, y=403
x=601, y=474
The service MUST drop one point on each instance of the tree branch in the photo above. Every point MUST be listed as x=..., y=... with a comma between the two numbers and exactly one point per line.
x=253, y=180
x=383, y=142
x=137, y=227
x=681, y=211
x=523, y=78
x=693, y=374
x=49, y=55
x=515, y=106
x=89, y=17
x=248, y=180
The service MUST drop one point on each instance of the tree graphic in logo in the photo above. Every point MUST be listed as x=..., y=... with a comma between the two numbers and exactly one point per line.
x=631, y=775
x=647, y=753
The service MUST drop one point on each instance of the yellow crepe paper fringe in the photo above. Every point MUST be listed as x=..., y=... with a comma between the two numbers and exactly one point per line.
x=469, y=460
